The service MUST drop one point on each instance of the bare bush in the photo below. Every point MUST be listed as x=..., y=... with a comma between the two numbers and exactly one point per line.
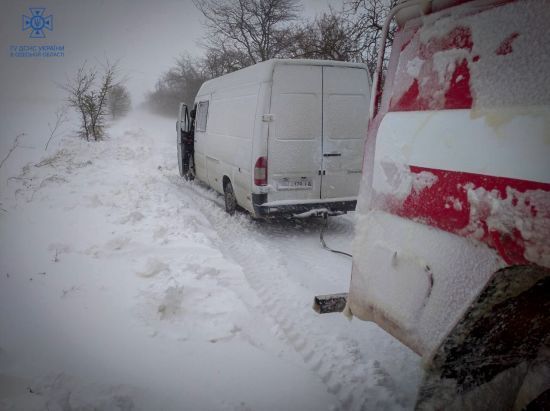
x=89, y=98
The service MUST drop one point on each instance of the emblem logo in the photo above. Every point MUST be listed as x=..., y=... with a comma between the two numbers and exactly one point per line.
x=37, y=22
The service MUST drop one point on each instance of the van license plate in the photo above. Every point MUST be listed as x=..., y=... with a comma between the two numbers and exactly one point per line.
x=300, y=183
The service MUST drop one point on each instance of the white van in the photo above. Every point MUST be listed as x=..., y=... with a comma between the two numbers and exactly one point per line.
x=284, y=137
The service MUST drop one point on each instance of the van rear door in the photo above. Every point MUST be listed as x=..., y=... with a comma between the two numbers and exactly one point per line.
x=295, y=133
x=346, y=92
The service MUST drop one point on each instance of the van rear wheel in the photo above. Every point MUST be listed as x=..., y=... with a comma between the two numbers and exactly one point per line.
x=229, y=197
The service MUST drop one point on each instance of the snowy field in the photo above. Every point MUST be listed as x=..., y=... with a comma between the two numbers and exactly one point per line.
x=124, y=287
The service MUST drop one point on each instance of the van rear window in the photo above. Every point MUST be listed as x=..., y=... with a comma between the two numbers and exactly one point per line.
x=202, y=116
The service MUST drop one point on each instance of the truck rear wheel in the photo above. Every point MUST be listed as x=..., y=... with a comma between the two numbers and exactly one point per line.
x=484, y=360
x=229, y=197
x=541, y=403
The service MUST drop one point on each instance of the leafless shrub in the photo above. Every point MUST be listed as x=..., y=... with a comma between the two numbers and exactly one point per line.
x=89, y=99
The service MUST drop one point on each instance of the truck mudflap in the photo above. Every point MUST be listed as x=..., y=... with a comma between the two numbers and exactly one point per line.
x=494, y=351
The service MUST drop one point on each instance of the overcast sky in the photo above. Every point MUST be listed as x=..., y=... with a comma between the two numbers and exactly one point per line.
x=146, y=36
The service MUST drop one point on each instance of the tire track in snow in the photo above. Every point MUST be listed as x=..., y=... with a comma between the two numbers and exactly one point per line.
x=357, y=383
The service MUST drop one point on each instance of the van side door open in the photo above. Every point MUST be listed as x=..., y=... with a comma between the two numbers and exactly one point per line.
x=201, y=139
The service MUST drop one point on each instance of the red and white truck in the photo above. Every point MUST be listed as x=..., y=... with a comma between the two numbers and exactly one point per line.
x=452, y=247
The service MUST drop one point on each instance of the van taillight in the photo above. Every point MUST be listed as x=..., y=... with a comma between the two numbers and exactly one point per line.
x=260, y=172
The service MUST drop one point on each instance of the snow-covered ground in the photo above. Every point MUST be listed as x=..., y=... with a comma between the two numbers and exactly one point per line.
x=124, y=287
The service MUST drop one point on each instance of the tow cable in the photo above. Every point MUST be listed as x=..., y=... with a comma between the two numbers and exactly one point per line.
x=323, y=227
x=325, y=246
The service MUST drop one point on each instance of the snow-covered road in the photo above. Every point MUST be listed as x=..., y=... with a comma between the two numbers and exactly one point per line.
x=124, y=287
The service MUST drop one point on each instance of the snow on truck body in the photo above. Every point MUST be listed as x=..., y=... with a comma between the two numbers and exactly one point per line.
x=456, y=180
x=287, y=134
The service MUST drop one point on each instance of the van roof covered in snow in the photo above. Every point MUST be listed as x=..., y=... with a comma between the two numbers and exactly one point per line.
x=263, y=72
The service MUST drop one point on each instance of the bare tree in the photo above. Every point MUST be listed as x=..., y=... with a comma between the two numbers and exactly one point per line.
x=180, y=83
x=90, y=99
x=258, y=29
x=118, y=101
x=219, y=61
x=244, y=32
x=368, y=16
x=331, y=36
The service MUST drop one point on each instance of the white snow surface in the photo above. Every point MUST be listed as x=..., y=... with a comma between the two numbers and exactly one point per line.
x=124, y=287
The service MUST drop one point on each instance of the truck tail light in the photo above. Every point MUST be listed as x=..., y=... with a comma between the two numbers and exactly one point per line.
x=260, y=172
